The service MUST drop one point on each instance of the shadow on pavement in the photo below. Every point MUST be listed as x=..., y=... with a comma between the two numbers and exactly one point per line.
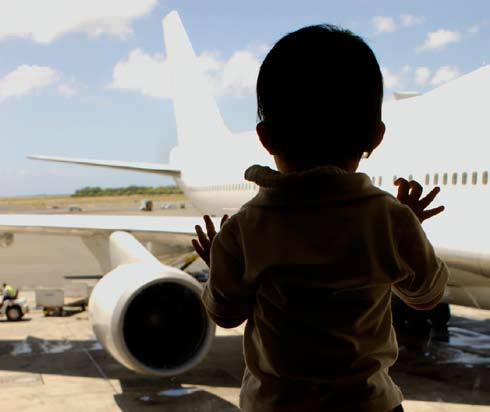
x=455, y=372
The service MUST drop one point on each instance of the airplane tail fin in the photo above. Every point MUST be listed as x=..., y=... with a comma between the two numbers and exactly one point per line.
x=197, y=115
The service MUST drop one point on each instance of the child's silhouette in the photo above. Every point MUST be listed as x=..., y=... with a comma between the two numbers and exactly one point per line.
x=312, y=260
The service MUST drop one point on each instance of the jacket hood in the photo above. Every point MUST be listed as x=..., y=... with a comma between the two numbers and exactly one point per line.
x=324, y=184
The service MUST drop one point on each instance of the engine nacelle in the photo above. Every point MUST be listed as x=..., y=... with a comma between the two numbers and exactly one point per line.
x=149, y=316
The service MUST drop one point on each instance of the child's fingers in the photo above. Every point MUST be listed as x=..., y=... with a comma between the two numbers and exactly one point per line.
x=199, y=250
x=223, y=220
x=403, y=187
x=203, y=239
x=209, y=227
x=197, y=247
x=427, y=214
x=429, y=198
x=415, y=190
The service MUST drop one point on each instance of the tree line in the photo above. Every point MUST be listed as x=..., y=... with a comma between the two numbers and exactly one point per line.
x=126, y=191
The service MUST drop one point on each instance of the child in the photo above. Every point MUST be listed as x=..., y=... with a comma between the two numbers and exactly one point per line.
x=312, y=260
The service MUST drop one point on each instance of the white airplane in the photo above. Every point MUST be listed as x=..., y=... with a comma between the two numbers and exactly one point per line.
x=149, y=315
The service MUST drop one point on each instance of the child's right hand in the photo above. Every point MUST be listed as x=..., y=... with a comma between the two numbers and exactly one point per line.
x=202, y=244
x=409, y=194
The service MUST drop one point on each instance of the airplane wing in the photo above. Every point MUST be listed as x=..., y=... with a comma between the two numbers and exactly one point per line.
x=165, y=236
x=87, y=225
x=145, y=167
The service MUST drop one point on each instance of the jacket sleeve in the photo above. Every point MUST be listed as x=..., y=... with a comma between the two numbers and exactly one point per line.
x=227, y=297
x=424, y=275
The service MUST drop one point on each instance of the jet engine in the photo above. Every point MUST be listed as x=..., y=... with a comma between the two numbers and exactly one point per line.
x=147, y=315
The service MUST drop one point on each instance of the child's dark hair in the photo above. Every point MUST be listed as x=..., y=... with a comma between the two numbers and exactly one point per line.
x=319, y=92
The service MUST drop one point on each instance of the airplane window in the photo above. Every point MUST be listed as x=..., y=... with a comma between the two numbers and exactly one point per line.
x=464, y=178
x=394, y=178
x=436, y=179
x=444, y=179
x=474, y=178
x=373, y=180
x=380, y=180
x=427, y=179
x=410, y=178
x=485, y=178
x=455, y=179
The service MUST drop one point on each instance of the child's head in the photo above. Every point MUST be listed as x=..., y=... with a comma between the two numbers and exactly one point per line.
x=319, y=96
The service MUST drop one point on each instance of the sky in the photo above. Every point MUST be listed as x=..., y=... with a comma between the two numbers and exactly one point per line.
x=88, y=78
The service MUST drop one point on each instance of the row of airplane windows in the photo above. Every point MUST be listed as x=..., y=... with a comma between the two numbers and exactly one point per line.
x=230, y=187
x=443, y=178
x=434, y=179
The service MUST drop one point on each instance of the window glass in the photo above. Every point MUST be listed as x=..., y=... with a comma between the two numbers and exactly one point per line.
x=464, y=178
x=485, y=178
x=474, y=178
x=410, y=178
x=444, y=179
x=427, y=179
x=436, y=179
x=380, y=180
x=455, y=179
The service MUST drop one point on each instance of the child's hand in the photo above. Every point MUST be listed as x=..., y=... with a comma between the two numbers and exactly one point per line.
x=203, y=245
x=409, y=194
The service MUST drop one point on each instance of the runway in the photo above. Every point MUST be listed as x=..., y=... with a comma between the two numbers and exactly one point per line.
x=55, y=364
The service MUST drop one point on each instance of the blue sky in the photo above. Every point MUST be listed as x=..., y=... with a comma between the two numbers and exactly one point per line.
x=89, y=80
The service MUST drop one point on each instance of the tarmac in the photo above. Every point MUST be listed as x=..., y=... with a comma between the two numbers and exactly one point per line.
x=51, y=364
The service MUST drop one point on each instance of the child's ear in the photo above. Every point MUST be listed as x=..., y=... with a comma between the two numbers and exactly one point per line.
x=264, y=137
x=377, y=139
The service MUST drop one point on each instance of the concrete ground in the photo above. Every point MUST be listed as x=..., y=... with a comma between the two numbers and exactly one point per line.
x=50, y=364
x=54, y=364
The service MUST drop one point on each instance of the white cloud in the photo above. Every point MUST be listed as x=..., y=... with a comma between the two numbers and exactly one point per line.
x=473, y=30
x=408, y=20
x=44, y=21
x=151, y=76
x=439, y=39
x=390, y=79
x=384, y=24
x=67, y=90
x=422, y=75
x=26, y=80
x=144, y=73
x=445, y=74
x=396, y=79
x=240, y=73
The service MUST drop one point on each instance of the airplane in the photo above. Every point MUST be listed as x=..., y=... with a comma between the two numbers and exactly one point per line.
x=149, y=315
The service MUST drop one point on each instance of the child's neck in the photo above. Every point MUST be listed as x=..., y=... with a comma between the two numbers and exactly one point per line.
x=287, y=167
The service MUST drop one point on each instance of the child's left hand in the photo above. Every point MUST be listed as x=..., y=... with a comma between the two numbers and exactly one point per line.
x=203, y=245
